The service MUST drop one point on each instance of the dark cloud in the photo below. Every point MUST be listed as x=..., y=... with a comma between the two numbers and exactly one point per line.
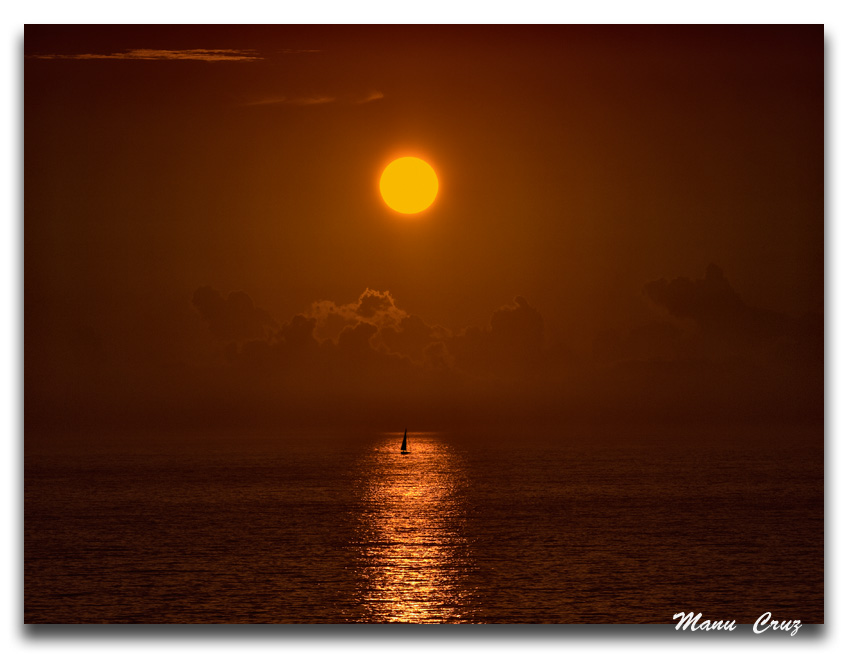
x=717, y=308
x=512, y=344
x=356, y=340
x=719, y=360
x=412, y=336
x=650, y=341
x=373, y=302
x=716, y=360
x=373, y=337
x=299, y=332
x=437, y=357
x=518, y=330
x=372, y=306
x=234, y=318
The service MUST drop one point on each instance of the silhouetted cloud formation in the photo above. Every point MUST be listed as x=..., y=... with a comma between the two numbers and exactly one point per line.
x=719, y=359
x=375, y=307
x=518, y=330
x=299, y=332
x=356, y=340
x=715, y=359
x=234, y=318
x=513, y=342
x=372, y=343
x=659, y=340
x=716, y=307
x=411, y=336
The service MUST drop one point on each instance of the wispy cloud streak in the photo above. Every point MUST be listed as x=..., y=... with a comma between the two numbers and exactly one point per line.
x=294, y=100
x=372, y=96
x=318, y=99
x=196, y=54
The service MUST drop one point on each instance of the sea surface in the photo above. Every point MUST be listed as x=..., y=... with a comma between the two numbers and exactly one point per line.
x=468, y=528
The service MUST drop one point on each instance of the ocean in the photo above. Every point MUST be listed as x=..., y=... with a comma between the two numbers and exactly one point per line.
x=470, y=527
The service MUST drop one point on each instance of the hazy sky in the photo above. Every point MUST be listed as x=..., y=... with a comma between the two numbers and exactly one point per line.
x=629, y=223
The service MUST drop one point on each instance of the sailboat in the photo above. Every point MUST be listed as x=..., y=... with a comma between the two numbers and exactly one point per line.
x=404, y=449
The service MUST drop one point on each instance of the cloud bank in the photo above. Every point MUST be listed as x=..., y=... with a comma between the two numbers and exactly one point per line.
x=710, y=359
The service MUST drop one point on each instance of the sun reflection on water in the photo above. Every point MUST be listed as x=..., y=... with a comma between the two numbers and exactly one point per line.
x=414, y=555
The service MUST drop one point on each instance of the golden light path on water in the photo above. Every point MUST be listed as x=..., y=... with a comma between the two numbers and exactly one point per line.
x=415, y=559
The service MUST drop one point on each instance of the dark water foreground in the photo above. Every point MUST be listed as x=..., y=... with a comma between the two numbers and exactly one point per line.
x=321, y=528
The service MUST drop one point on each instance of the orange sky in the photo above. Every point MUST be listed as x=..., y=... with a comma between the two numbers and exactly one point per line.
x=629, y=224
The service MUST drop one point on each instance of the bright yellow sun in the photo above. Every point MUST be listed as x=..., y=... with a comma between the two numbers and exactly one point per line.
x=409, y=185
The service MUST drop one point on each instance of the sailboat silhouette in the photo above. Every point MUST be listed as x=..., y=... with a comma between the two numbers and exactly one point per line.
x=404, y=448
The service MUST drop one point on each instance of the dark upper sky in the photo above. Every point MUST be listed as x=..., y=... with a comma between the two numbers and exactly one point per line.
x=594, y=171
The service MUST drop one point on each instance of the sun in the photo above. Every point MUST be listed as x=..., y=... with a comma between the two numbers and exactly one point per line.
x=409, y=185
